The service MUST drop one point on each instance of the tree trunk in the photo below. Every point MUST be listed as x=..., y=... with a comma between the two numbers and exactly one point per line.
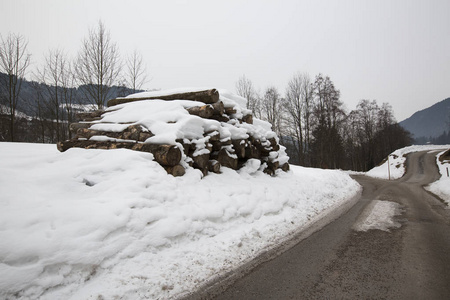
x=133, y=132
x=251, y=151
x=219, y=108
x=205, y=111
x=214, y=166
x=248, y=119
x=227, y=160
x=90, y=116
x=207, y=97
x=201, y=161
x=177, y=170
x=239, y=148
x=285, y=167
x=273, y=165
x=230, y=110
x=166, y=155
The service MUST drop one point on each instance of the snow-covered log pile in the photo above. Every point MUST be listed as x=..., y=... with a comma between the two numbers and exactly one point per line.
x=204, y=129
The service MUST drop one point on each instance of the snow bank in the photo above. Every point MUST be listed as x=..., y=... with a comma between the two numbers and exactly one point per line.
x=397, y=161
x=441, y=187
x=91, y=224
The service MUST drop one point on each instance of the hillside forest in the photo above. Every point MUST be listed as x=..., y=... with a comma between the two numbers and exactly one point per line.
x=308, y=116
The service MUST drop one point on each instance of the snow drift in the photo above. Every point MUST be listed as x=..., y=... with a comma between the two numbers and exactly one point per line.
x=112, y=223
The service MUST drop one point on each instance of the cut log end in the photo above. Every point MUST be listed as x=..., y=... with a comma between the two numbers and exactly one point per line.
x=90, y=116
x=227, y=160
x=248, y=119
x=285, y=167
x=205, y=111
x=166, y=155
x=201, y=161
x=214, y=166
x=177, y=170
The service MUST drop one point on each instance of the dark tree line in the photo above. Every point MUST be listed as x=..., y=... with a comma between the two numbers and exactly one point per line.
x=316, y=129
x=442, y=139
x=62, y=85
x=45, y=111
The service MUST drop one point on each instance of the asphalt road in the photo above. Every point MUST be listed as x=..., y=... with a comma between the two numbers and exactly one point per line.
x=337, y=262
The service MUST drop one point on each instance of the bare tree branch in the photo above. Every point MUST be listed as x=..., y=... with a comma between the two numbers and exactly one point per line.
x=58, y=79
x=244, y=88
x=13, y=61
x=98, y=65
x=272, y=109
x=298, y=105
x=136, y=71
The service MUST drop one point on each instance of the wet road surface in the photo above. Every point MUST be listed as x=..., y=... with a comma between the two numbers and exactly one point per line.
x=337, y=262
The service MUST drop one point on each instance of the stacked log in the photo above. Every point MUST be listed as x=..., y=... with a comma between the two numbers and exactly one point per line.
x=207, y=154
x=208, y=97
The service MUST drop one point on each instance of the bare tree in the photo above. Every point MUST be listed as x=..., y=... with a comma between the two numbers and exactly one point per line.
x=136, y=71
x=244, y=88
x=368, y=116
x=98, y=65
x=387, y=141
x=385, y=116
x=352, y=142
x=329, y=115
x=371, y=133
x=69, y=96
x=272, y=109
x=39, y=107
x=13, y=61
x=298, y=105
x=58, y=79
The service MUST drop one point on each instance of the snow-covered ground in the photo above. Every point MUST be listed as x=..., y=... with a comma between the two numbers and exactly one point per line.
x=397, y=161
x=111, y=224
x=442, y=186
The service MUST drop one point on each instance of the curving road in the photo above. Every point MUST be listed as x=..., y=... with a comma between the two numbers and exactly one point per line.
x=337, y=262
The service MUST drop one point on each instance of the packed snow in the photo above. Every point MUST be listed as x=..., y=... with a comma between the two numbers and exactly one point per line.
x=228, y=98
x=441, y=187
x=396, y=167
x=107, y=224
x=169, y=121
x=379, y=215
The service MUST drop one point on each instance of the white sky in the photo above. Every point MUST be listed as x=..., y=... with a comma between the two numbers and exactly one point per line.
x=391, y=51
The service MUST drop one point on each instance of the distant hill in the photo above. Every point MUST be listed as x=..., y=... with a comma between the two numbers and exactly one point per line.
x=429, y=124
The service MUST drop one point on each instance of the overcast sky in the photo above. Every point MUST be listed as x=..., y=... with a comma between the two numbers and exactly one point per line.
x=391, y=51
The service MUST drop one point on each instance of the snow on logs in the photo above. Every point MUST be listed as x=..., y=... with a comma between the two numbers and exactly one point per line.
x=207, y=96
x=201, y=129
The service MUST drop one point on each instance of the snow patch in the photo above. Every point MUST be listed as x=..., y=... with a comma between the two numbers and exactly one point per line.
x=379, y=215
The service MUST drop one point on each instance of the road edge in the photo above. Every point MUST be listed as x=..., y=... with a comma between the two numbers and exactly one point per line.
x=220, y=283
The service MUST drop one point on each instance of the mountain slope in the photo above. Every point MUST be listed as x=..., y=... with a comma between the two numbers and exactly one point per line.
x=430, y=122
